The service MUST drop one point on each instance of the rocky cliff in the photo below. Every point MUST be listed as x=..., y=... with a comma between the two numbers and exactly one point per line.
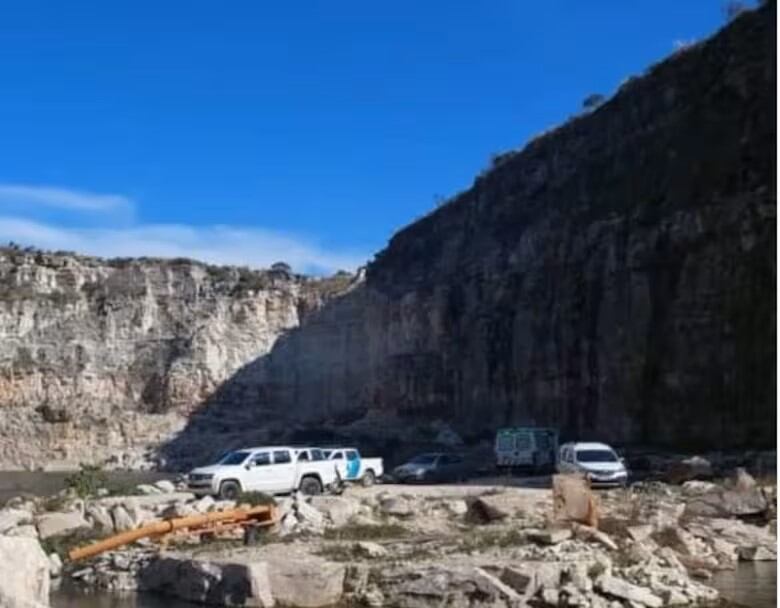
x=103, y=360
x=615, y=278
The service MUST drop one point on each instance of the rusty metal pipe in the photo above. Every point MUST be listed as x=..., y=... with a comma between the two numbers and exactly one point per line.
x=263, y=515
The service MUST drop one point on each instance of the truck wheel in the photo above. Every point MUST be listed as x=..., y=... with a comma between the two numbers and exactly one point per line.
x=310, y=486
x=229, y=490
x=368, y=478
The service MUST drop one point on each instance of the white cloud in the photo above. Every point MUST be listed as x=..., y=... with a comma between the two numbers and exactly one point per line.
x=23, y=220
x=254, y=246
x=64, y=198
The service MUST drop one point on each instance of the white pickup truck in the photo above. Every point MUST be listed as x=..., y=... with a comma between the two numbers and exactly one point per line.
x=353, y=467
x=269, y=469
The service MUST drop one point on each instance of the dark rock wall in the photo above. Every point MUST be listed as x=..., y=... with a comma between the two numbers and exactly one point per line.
x=616, y=278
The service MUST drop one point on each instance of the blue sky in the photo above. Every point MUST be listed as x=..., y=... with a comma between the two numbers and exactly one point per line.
x=248, y=132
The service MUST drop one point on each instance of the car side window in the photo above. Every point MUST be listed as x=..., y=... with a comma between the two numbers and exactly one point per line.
x=338, y=456
x=282, y=457
x=261, y=459
x=352, y=455
x=303, y=456
x=317, y=455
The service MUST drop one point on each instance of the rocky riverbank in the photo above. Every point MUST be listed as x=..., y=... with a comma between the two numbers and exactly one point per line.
x=656, y=544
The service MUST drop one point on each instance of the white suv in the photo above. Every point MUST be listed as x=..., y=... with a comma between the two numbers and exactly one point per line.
x=270, y=469
x=597, y=461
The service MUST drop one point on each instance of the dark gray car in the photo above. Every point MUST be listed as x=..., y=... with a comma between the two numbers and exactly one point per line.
x=432, y=467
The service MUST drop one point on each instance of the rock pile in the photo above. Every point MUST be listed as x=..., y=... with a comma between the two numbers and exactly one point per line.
x=453, y=545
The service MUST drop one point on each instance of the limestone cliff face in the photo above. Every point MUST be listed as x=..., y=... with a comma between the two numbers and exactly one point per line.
x=616, y=279
x=102, y=361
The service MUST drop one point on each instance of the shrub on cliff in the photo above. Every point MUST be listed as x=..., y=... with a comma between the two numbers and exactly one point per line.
x=593, y=101
x=281, y=267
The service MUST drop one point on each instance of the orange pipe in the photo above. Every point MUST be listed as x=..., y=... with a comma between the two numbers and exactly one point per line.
x=166, y=526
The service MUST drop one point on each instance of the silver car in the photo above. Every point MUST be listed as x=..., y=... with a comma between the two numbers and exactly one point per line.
x=432, y=467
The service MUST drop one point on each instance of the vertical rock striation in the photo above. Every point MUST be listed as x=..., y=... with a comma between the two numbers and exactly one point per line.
x=103, y=360
x=615, y=278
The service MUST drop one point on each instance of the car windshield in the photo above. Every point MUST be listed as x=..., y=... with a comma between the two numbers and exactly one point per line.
x=234, y=458
x=423, y=459
x=596, y=456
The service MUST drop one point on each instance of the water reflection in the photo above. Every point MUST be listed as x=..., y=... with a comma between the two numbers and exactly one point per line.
x=752, y=584
x=40, y=483
x=72, y=597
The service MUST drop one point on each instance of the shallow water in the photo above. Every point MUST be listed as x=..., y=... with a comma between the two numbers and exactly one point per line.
x=752, y=584
x=74, y=598
x=39, y=483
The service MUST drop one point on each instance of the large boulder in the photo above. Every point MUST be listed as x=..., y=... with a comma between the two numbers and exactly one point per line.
x=453, y=585
x=494, y=507
x=10, y=518
x=661, y=514
x=58, y=524
x=618, y=588
x=122, y=519
x=695, y=467
x=165, y=486
x=148, y=489
x=308, y=516
x=742, y=481
x=573, y=500
x=741, y=498
x=307, y=581
x=732, y=537
x=299, y=580
x=26, y=530
x=698, y=488
x=337, y=509
x=397, y=506
x=100, y=518
x=206, y=582
x=24, y=573
x=204, y=504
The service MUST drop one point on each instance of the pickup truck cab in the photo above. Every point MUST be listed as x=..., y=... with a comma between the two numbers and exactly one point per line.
x=269, y=469
x=353, y=467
